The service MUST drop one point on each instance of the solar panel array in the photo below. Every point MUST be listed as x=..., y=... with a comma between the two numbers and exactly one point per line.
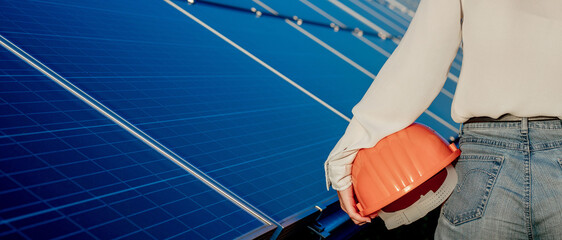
x=169, y=120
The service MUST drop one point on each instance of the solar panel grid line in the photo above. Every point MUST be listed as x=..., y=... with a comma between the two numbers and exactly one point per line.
x=56, y=208
x=253, y=10
x=263, y=154
x=388, y=12
x=358, y=16
x=431, y=114
x=29, y=226
x=211, y=116
x=258, y=163
x=45, y=131
x=301, y=150
x=121, y=12
x=454, y=65
x=385, y=53
x=441, y=120
x=403, y=9
x=368, y=42
x=453, y=77
x=457, y=62
x=256, y=159
x=297, y=24
x=323, y=13
x=51, y=209
x=127, y=190
x=459, y=55
x=266, y=7
x=204, y=115
x=363, y=39
x=331, y=49
x=377, y=15
x=79, y=176
x=362, y=25
x=94, y=198
x=258, y=60
x=378, y=8
x=137, y=132
x=48, y=204
x=447, y=93
x=363, y=19
x=372, y=45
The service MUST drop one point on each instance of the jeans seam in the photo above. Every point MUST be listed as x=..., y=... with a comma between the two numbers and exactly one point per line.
x=527, y=164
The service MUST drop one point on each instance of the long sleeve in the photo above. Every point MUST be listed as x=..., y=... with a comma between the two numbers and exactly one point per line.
x=405, y=86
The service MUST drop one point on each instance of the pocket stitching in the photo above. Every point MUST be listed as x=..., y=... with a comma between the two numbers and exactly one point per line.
x=478, y=211
x=459, y=186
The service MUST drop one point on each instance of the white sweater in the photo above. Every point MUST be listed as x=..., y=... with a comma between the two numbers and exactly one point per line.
x=512, y=64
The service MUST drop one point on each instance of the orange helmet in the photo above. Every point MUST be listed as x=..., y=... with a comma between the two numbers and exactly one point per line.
x=405, y=176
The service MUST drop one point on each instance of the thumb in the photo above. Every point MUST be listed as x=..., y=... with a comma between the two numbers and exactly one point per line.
x=347, y=200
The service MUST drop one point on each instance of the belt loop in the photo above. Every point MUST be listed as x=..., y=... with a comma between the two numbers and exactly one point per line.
x=524, y=125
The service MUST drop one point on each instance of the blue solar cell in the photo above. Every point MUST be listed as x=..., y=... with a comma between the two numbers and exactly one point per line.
x=361, y=53
x=383, y=10
x=64, y=191
x=114, y=229
x=169, y=229
x=242, y=118
x=294, y=54
x=7, y=184
x=98, y=216
x=374, y=17
x=340, y=14
x=50, y=230
x=342, y=91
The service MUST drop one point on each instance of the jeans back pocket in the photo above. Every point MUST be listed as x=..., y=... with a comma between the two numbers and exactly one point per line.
x=477, y=176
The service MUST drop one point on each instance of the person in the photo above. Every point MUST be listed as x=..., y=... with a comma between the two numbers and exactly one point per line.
x=509, y=103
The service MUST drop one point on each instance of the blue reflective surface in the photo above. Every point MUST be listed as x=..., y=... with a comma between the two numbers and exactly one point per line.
x=216, y=107
x=68, y=172
x=203, y=99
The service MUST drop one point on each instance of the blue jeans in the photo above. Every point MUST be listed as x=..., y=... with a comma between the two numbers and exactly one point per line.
x=510, y=183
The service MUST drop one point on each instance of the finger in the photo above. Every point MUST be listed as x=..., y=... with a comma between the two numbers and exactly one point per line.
x=356, y=217
x=347, y=203
x=349, y=208
x=359, y=223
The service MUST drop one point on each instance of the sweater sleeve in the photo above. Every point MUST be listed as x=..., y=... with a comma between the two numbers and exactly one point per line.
x=405, y=87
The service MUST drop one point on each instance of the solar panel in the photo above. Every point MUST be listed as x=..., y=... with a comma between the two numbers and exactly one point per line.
x=216, y=123
x=346, y=88
x=69, y=172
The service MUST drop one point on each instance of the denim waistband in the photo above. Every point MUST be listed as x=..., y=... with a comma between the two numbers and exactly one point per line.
x=522, y=135
x=540, y=124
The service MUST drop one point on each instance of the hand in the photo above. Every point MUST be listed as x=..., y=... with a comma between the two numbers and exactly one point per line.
x=348, y=203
